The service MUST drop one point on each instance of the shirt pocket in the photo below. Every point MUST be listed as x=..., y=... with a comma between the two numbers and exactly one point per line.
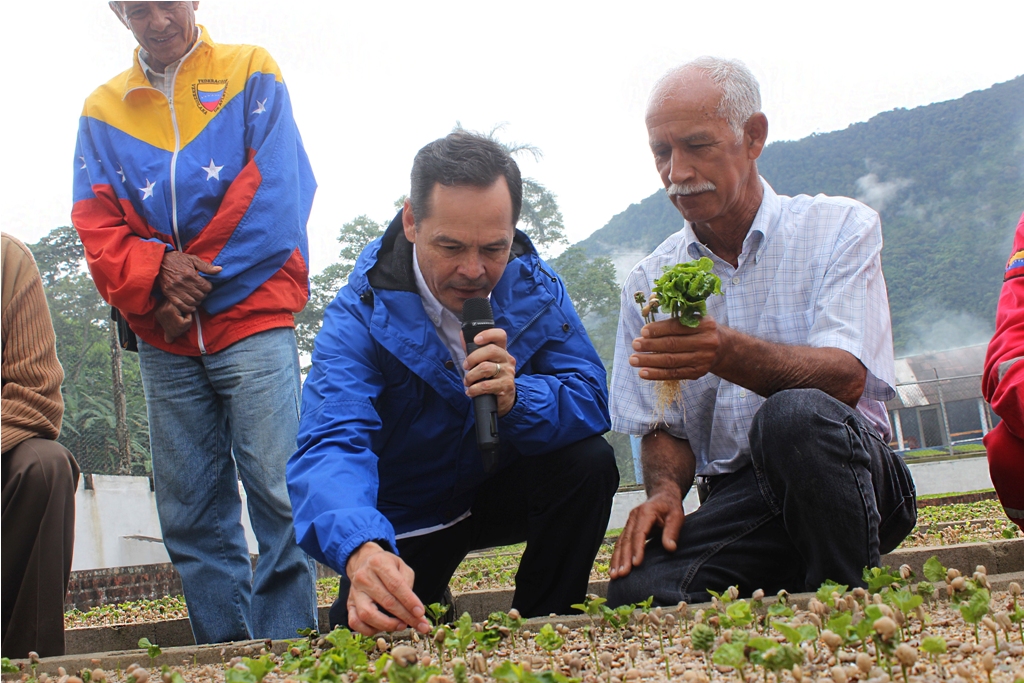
x=791, y=327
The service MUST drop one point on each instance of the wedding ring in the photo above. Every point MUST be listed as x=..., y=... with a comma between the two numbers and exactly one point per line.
x=497, y=370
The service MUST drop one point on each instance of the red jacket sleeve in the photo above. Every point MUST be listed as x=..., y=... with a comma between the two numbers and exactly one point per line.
x=1003, y=381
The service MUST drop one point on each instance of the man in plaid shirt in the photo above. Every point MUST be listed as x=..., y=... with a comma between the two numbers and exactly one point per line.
x=782, y=419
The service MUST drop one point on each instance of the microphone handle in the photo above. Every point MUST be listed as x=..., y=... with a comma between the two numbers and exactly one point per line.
x=485, y=412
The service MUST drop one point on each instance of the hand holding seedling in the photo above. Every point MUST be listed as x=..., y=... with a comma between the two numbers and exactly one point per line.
x=667, y=350
x=491, y=370
x=381, y=580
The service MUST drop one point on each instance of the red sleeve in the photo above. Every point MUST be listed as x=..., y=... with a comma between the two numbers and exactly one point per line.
x=1003, y=381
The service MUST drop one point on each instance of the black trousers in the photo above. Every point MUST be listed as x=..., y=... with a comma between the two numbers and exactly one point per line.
x=558, y=503
x=822, y=497
x=39, y=482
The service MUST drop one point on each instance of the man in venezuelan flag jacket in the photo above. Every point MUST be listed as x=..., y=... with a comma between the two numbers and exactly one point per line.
x=191, y=196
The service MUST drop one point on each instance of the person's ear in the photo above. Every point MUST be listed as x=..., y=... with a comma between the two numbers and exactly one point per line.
x=755, y=134
x=409, y=221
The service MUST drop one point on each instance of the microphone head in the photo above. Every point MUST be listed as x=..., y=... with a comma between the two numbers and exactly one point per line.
x=476, y=309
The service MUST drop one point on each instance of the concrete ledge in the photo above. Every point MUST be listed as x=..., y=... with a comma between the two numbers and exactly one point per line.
x=1001, y=558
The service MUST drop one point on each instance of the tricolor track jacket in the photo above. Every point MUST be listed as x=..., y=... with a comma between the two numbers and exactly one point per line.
x=219, y=172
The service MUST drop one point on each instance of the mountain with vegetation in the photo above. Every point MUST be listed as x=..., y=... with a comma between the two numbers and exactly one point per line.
x=947, y=179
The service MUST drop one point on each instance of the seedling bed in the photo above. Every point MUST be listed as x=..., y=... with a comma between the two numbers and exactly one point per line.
x=946, y=626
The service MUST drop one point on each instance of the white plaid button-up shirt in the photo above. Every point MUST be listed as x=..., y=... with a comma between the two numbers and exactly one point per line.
x=809, y=274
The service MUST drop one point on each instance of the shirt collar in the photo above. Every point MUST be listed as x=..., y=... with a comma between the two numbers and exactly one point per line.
x=765, y=222
x=138, y=75
x=431, y=305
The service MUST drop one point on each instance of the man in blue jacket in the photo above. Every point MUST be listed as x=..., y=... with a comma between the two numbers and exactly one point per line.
x=387, y=485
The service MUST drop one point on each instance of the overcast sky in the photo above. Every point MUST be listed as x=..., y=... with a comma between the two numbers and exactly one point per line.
x=372, y=82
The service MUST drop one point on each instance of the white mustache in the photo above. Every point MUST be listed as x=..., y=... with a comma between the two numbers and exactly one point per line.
x=687, y=190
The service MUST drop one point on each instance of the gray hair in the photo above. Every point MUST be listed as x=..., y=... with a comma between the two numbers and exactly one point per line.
x=741, y=94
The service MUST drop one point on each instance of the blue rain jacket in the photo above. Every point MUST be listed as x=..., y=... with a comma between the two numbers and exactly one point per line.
x=387, y=441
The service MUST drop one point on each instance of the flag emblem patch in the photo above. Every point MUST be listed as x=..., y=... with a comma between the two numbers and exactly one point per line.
x=1015, y=266
x=209, y=94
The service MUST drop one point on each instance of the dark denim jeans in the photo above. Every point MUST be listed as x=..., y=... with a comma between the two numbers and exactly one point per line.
x=822, y=498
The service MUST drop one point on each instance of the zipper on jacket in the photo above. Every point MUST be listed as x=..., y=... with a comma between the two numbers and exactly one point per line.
x=174, y=192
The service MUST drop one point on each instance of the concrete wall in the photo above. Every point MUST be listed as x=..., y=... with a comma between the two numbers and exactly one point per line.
x=116, y=524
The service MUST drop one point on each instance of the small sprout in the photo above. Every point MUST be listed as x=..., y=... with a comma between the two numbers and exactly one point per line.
x=885, y=627
x=864, y=662
x=1014, y=589
x=831, y=639
x=382, y=645
x=404, y=655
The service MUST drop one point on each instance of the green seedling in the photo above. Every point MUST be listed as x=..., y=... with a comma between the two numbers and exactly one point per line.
x=166, y=674
x=702, y=638
x=549, y=641
x=591, y=606
x=934, y=571
x=253, y=672
x=619, y=617
x=152, y=649
x=488, y=639
x=737, y=614
x=463, y=634
x=973, y=609
x=773, y=656
x=879, y=578
x=825, y=591
x=925, y=589
x=510, y=620
x=681, y=292
x=435, y=612
x=934, y=646
x=513, y=673
x=6, y=666
x=731, y=654
x=683, y=289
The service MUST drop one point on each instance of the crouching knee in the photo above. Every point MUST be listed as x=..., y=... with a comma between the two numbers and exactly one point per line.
x=42, y=467
x=592, y=462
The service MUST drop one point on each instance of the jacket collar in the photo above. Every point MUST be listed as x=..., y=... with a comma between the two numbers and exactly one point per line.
x=136, y=76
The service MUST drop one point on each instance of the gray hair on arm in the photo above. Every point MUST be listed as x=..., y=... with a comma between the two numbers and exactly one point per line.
x=741, y=94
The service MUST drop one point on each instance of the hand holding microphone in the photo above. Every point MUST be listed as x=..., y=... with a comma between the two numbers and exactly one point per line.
x=490, y=375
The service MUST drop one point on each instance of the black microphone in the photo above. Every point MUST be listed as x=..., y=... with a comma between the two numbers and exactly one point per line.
x=477, y=317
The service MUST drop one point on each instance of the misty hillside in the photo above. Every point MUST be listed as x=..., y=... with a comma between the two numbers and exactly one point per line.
x=948, y=180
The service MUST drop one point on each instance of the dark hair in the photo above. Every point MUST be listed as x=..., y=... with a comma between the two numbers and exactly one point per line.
x=463, y=158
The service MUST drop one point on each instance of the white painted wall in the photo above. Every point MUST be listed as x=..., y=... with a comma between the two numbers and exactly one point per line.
x=116, y=524
x=951, y=476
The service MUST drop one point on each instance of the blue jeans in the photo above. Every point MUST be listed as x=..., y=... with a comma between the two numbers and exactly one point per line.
x=238, y=407
x=822, y=498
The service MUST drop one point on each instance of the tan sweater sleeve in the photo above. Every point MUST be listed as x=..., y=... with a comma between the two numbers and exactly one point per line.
x=32, y=405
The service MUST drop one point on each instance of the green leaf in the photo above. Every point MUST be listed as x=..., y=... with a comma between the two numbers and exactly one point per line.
x=978, y=606
x=702, y=637
x=151, y=648
x=6, y=666
x=729, y=654
x=761, y=643
x=548, y=639
x=825, y=591
x=934, y=571
x=933, y=645
x=739, y=613
x=839, y=623
x=791, y=634
x=682, y=290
